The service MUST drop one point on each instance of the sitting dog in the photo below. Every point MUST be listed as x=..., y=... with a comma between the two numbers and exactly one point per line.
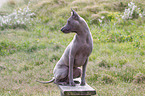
x=76, y=54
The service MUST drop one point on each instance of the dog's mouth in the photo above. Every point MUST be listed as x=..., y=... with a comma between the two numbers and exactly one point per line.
x=64, y=30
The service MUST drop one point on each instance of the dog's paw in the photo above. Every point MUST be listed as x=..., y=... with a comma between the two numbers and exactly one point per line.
x=72, y=83
x=83, y=84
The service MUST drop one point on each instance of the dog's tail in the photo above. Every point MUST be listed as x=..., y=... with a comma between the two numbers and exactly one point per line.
x=45, y=82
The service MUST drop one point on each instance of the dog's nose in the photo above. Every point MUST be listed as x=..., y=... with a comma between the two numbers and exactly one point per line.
x=62, y=29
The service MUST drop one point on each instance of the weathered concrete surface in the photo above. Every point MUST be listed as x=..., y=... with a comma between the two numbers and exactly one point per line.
x=77, y=90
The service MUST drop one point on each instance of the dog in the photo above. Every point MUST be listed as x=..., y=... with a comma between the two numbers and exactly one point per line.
x=76, y=54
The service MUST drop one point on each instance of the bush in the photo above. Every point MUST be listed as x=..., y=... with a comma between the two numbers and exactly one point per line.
x=105, y=17
x=7, y=48
x=18, y=19
x=132, y=12
x=119, y=37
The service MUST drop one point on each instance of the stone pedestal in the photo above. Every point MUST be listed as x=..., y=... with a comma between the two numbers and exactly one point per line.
x=77, y=90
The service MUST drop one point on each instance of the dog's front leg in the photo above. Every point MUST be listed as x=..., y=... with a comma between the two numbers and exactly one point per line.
x=71, y=63
x=84, y=73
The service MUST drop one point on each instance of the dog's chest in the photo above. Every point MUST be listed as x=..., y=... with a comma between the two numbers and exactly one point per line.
x=84, y=50
x=82, y=54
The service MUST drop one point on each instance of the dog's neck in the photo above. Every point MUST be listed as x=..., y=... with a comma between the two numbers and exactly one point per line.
x=83, y=29
x=84, y=34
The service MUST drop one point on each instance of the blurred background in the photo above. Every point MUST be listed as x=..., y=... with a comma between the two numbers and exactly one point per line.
x=31, y=43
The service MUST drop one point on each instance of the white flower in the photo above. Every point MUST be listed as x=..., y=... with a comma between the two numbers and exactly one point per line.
x=100, y=20
x=1, y=24
x=4, y=22
x=140, y=15
x=128, y=13
x=18, y=22
x=102, y=17
x=143, y=13
x=19, y=11
x=22, y=22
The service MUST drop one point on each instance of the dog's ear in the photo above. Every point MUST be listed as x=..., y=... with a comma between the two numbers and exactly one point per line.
x=74, y=15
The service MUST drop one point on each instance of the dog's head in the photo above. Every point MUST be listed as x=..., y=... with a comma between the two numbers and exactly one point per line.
x=73, y=23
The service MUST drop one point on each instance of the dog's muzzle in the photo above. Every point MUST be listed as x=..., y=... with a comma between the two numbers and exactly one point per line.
x=65, y=30
x=62, y=29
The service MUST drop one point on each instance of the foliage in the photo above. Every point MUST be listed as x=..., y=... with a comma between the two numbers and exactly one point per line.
x=18, y=19
x=132, y=12
x=139, y=78
x=116, y=65
x=103, y=63
x=106, y=79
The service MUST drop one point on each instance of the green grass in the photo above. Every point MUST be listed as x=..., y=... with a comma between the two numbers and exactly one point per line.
x=116, y=65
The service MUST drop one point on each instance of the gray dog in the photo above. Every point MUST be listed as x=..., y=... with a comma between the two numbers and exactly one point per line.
x=76, y=54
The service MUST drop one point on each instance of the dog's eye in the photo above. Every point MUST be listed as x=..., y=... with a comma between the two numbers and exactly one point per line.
x=68, y=21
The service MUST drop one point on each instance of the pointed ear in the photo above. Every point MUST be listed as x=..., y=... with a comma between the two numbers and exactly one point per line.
x=74, y=15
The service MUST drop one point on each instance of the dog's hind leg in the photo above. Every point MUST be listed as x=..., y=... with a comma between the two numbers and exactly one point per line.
x=61, y=74
x=76, y=72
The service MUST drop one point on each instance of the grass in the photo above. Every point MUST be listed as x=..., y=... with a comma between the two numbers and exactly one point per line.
x=116, y=65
